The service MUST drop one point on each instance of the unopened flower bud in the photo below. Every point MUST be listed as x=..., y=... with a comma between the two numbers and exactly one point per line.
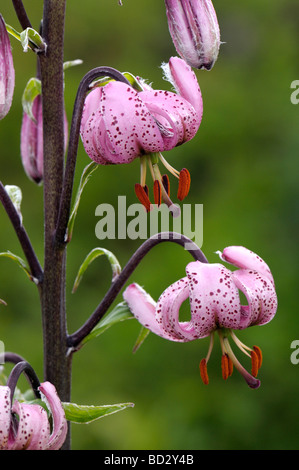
x=194, y=30
x=7, y=71
x=32, y=141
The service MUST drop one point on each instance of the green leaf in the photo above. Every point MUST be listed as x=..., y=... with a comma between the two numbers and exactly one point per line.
x=32, y=90
x=72, y=63
x=116, y=269
x=15, y=195
x=21, y=263
x=31, y=39
x=144, y=332
x=87, y=172
x=120, y=313
x=87, y=414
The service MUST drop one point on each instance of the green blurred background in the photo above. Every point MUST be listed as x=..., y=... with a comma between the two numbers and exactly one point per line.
x=244, y=167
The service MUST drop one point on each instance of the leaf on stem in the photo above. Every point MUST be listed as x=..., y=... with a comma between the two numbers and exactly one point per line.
x=15, y=194
x=31, y=91
x=21, y=263
x=116, y=269
x=144, y=332
x=87, y=414
x=87, y=172
x=120, y=313
x=32, y=39
x=29, y=38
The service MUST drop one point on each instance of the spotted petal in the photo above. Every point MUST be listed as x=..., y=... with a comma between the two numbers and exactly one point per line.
x=167, y=312
x=261, y=297
x=131, y=129
x=60, y=428
x=5, y=404
x=214, y=298
x=244, y=258
x=143, y=308
x=33, y=429
x=184, y=80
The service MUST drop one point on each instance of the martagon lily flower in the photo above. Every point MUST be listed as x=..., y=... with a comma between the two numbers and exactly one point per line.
x=25, y=426
x=194, y=29
x=215, y=305
x=120, y=123
x=7, y=71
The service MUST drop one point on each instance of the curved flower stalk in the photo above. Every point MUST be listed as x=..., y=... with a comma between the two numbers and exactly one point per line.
x=31, y=430
x=213, y=292
x=120, y=123
x=194, y=29
x=32, y=141
x=7, y=71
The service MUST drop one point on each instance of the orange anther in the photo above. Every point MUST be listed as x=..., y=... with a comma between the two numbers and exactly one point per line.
x=204, y=371
x=224, y=366
x=254, y=363
x=166, y=184
x=142, y=196
x=184, y=184
x=259, y=355
x=157, y=192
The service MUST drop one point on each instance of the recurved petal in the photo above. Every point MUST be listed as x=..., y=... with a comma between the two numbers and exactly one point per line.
x=143, y=308
x=214, y=298
x=131, y=129
x=168, y=311
x=33, y=429
x=241, y=257
x=59, y=429
x=175, y=113
x=182, y=77
x=261, y=297
x=5, y=415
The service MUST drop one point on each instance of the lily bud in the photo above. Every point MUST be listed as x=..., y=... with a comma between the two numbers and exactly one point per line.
x=32, y=141
x=195, y=32
x=7, y=71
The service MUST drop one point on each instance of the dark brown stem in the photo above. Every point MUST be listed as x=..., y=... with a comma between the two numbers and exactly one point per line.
x=75, y=339
x=66, y=196
x=57, y=365
x=35, y=267
x=21, y=14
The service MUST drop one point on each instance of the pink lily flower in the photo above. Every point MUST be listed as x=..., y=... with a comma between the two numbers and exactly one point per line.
x=194, y=29
x=32, y=141
x=120, y=123
x=7, y=71
x=32, y=430
x=215, y=305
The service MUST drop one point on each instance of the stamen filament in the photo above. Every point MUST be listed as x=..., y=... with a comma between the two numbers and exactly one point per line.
x=170, y=168
x=143, y=170
x=251, y=381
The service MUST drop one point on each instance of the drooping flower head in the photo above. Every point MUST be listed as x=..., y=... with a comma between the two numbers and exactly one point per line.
x=25, y=426
x=194, y=29
x=7, y=71
x=213, y=292
x=122, y=122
